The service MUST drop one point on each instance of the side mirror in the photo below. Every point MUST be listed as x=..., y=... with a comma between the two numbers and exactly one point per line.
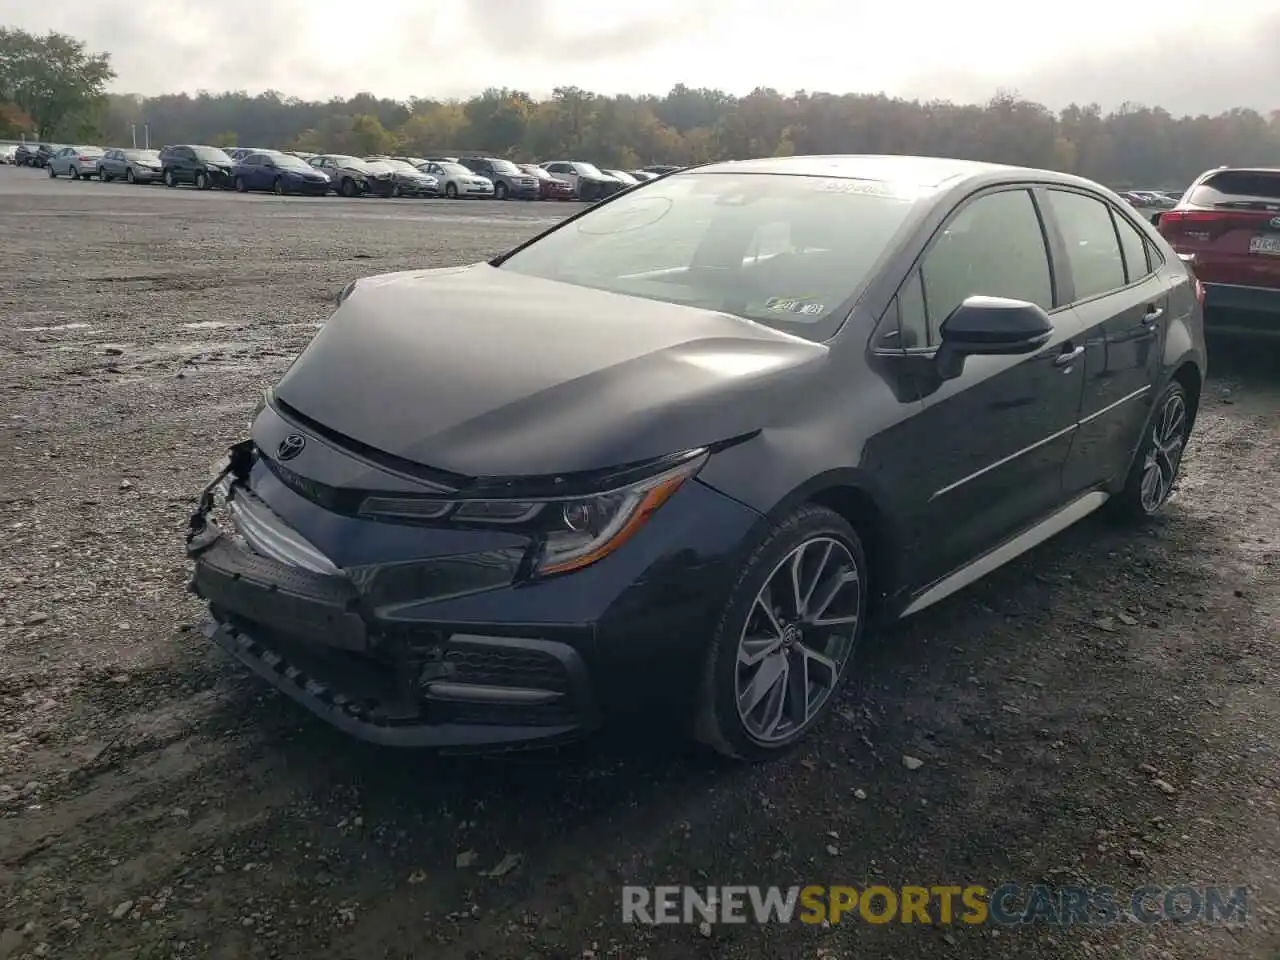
x=991, y=326
x=1155, y=218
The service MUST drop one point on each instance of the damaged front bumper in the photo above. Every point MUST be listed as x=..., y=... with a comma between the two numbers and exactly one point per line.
x=324, y=637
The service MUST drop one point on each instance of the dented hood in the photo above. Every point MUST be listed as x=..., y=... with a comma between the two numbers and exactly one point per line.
x=486, y=373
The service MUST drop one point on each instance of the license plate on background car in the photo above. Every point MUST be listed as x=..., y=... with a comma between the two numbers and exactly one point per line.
x=1268, y=245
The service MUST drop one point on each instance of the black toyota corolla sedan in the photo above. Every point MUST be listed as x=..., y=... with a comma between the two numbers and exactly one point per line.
x=683, y=447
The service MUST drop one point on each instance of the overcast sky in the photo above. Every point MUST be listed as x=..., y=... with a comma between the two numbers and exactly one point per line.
x=1169, y=53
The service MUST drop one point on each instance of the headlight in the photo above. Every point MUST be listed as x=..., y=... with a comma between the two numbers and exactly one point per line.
x=571, y=532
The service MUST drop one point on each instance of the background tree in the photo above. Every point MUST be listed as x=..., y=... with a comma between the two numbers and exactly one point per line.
x=53, y=80
x=1132, y=146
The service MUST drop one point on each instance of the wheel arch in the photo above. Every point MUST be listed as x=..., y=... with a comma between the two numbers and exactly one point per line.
x=852, y=495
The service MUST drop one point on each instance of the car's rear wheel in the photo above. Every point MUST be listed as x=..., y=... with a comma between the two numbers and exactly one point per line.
x=277, y=187
x=785, y=638
x=104, y=176
x=169, y=179
x=1155, y=468
x=130, y=176
x=241, y=186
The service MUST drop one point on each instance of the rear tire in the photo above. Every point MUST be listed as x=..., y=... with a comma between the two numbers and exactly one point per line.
x=240, y=185
x=784, y=645
x=169, y=179
x=129, y=175
x=1155, y=467
x=277, y=187
x=104, y=176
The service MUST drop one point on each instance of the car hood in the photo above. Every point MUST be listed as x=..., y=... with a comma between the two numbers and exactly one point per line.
x=486, y=373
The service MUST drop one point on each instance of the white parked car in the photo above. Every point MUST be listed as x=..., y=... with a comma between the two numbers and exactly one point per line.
x=7, y=152
x=78, y=163
x=458, y=181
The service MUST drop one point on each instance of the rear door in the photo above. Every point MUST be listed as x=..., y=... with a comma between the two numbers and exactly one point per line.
x=1110, y=275
x=994, y=440
x=1231, y=222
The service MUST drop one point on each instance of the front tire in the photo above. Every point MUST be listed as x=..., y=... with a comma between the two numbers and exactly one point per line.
x=1155, y=467
x=202, y=180
x=500, y=191
x=451, y=191
x=348, y=187
x=780, y=650
x=130, y=176
x=52, y=175
x=277, y=187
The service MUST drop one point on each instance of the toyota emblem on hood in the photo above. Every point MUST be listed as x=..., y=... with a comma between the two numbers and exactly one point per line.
x=291, y=446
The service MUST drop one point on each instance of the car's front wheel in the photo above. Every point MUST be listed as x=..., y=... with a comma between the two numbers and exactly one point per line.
x=1155, y=468
x=202, y=180
x=785, y=638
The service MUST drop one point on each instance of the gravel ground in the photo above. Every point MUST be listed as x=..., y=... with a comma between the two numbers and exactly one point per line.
x=156, y=802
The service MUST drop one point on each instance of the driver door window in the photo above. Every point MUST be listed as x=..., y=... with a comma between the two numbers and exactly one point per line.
x=993, y=247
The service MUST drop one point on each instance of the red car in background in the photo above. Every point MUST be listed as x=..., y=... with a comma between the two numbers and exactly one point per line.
x=549, y=187
x=1227, y=230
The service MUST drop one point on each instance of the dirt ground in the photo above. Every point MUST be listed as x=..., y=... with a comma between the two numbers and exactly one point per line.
x=157, y=802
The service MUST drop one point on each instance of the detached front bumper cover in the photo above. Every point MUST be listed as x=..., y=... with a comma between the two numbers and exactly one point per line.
x=317, y=638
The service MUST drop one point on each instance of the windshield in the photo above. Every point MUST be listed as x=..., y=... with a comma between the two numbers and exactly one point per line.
x=587, y=170
x=211, y=155
x=286, y=162
x=89, y=151
x=351, y=163
x=785, y=251
x=503, y=166
x=456, y=168
x=142, y=154
x=534, y=171
x=400, y=166
x=378, y=164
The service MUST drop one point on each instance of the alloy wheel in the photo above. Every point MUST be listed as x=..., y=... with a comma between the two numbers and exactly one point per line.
x=797, y=638
x=1164, y=454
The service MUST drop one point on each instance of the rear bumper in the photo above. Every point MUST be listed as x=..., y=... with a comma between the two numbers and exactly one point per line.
x=1239, y=309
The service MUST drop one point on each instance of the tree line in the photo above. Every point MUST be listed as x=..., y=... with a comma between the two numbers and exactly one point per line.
x=53, y=88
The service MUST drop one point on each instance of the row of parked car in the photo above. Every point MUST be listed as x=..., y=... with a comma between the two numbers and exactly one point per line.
x=293, y=172
x=1156, y=199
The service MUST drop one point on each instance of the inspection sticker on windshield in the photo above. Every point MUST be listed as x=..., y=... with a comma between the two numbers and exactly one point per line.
x=801, y=305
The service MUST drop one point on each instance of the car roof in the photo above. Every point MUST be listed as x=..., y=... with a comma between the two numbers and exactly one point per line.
x=921, y=171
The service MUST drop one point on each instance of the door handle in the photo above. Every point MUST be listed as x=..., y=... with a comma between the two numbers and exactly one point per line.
x=1068, y=357
x=1152, y=315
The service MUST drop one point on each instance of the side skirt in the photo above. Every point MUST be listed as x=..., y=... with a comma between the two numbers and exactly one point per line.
x=975, y=570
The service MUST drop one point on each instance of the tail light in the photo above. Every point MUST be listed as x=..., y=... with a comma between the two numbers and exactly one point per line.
x=1209, y=224
x=87, y=159
x=1199, y=292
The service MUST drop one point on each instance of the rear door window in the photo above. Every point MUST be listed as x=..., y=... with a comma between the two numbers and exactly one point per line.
x=1093, y=248
x=1134, y=247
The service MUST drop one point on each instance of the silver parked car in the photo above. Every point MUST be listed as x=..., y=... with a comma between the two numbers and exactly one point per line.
x=458, y=181
x=8, y=153
x=134, y=165
x=78, y=163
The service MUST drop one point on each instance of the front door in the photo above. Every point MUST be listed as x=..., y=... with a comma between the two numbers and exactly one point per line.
x=1123, y=305
x=991, y=443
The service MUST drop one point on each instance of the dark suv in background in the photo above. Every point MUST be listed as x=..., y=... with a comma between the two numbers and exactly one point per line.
x=508, y=179
x=205, y=167
x=1227, y=230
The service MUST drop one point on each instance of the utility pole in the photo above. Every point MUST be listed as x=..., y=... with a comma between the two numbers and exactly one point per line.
x=133, y=131
x=146, y=127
